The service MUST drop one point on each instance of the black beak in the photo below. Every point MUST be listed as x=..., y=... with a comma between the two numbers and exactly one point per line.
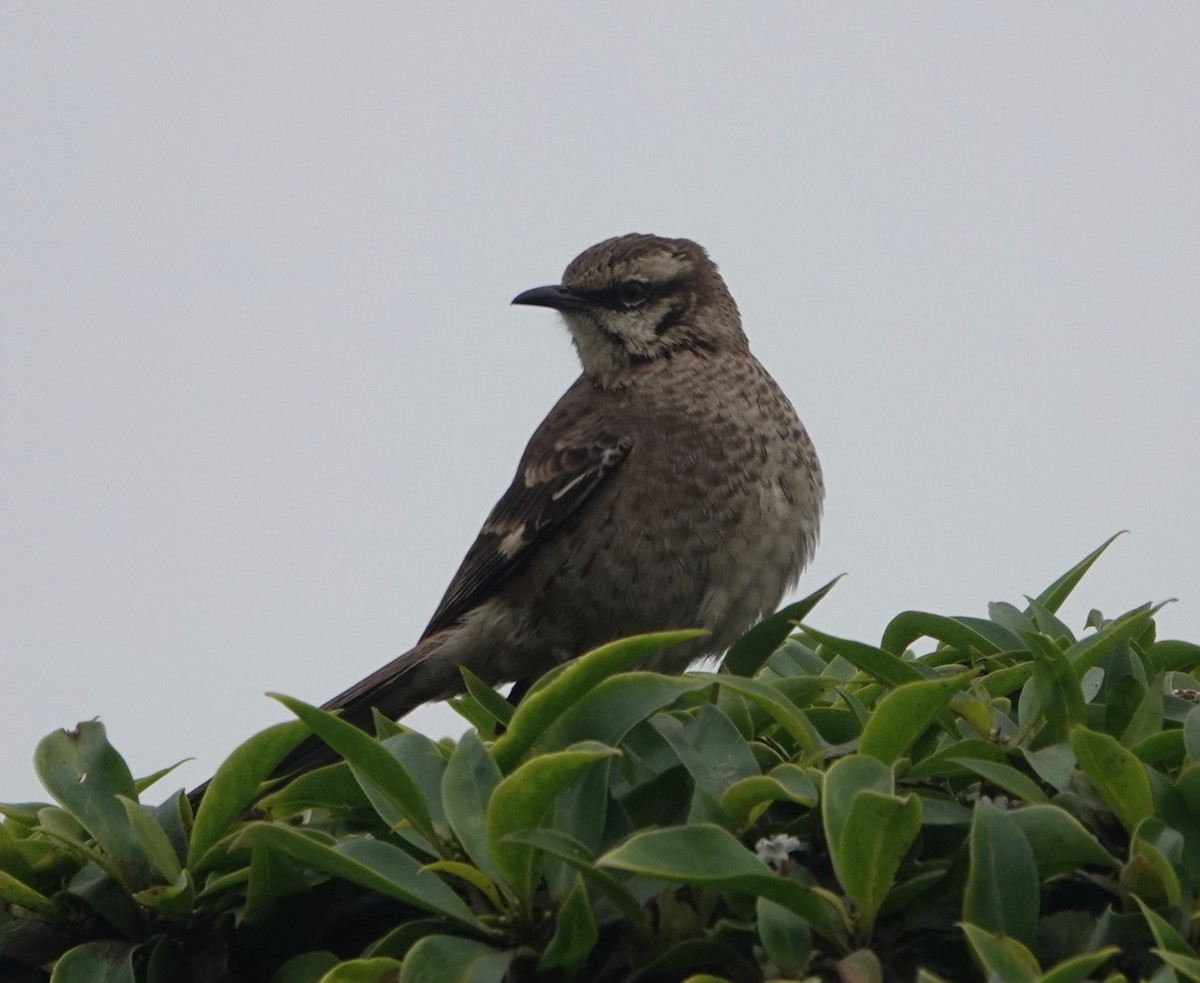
x=560, y=298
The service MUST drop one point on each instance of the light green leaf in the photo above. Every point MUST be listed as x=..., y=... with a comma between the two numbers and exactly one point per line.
x=542, y=707
x=868, y=829
x=1116, y=774
x=742, y=800
x=235, y=782
x=522, y=799
x=903, y=715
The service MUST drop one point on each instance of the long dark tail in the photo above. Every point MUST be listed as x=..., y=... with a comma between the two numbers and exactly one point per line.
x=406, y=682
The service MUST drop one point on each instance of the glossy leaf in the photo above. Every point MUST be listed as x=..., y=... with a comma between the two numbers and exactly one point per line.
x=542, y=707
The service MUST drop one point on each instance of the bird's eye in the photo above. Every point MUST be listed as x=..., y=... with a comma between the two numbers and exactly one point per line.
x=632, y=292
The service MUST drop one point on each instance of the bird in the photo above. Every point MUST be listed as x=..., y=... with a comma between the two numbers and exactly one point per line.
x=671, y=486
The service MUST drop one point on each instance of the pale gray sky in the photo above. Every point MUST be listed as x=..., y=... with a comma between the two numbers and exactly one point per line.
x=260, y=383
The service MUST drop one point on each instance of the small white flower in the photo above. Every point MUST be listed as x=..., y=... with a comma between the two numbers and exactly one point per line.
x=775, y=850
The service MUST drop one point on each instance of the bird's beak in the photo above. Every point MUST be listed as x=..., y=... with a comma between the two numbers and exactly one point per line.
x=560, y=298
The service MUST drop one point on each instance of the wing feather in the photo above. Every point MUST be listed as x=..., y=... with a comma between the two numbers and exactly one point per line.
x=543, y=494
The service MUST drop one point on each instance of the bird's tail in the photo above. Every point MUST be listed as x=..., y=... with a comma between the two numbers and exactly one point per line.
x=403, y=684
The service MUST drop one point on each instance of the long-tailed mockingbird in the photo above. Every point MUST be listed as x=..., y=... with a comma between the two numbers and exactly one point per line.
x=672, y=486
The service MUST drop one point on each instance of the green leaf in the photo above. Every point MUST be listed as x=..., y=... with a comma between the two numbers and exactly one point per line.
x=743, y=800
x=173, y=900
x=1088, y=652
x=95, y=962
x=1053, y=596
x=1191, y=735
x=1006, y=777
x=1059, y=841
x=308, y=967
x=85, y=775
x=768, y=698
x=470, y=778
x=544, y=706
x=886, y=667
x=709, y=747
x=1004, y=960
x=371, y=762
x=367, y=862
x=332, y=787
x=1170, y=655
x=1002, y=892
x=446, y=959
x=614, y=707
x=1116, y=774
x=903, y=715
x=153, y=840
x=522, y=799
x=570, y=851
x=15, y=892
x=491, y=701
x=861, y=966
x=751, y=651
x=362, y=970
x=869, y=830
x=1166, y=936
x=236, y=781
x=575, y=932
x=1059, y=697
x=908, y=626
x=1080, y=968
x=1189, y=966
x=785, y=936
x=706, y=855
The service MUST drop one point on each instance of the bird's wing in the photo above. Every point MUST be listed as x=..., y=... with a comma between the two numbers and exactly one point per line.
x=545, y=491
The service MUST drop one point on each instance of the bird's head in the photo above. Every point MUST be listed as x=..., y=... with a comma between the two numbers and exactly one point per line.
x=637, y=299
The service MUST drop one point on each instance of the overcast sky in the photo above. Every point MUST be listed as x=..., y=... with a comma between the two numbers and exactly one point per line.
x=260, y=382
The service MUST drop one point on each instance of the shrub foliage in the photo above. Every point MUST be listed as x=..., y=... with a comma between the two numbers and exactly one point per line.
x=1015, y=804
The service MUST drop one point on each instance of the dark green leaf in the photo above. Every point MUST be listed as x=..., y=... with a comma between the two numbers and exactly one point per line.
x=1002, y=892
x=748, y=653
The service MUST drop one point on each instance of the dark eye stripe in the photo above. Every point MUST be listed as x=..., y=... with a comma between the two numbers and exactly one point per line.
x=670, y=319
